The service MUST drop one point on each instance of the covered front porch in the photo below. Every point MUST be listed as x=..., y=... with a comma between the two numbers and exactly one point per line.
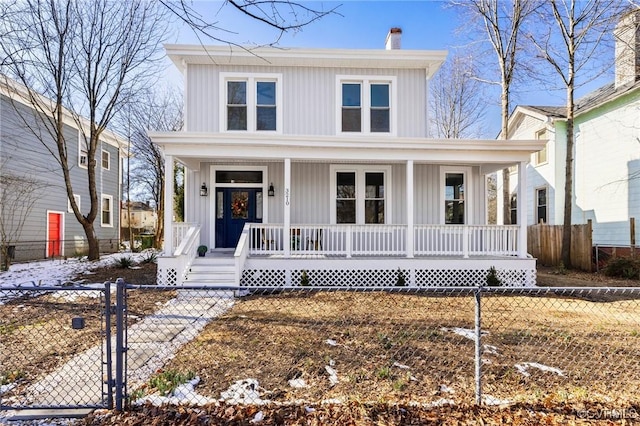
x=344, y=211
x=270, y=255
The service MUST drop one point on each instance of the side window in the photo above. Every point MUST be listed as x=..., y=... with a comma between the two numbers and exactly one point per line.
x=540, y=157
x=541, y=205
x=106, y=160
x=77, y=199
x=514, y=209
x=454, y=199
x=107, y=211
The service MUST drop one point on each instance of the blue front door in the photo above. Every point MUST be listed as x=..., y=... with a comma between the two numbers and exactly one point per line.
x=234, y=208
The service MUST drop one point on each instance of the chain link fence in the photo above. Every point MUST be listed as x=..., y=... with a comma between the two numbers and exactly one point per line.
x=399, y=345
x=428, y=346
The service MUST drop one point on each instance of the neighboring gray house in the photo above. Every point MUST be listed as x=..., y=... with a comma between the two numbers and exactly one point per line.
x=37, y=219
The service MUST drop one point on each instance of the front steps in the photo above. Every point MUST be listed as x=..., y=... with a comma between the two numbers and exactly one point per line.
x=211, y=272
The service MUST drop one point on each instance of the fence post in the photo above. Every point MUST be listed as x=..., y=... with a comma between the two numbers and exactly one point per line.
x=478, y=348
x=107, y=337
x=121, y=308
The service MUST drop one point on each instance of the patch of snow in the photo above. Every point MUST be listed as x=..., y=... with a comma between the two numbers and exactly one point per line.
x=440, y=402
x=258, y=417
x=183, y=394
x=490, y=400
x=404, y=367
x=245, y=391
x=298, y=383
x=490, y=349
x=309, y=410
x=446, y=389
x=6, y=388
x=331, y=342
x=331, y=401
x=333, y=375
x=464, y=332
x=523, y=368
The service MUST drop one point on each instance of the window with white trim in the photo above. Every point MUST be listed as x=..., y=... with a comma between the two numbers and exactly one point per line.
x=76, y=197
x=106, y=160
x=83, y=153
x=251, y=102
x=366, y=105
x=541, y=205
x=359, y=194
x=540, y=157
x=454, y=202
x=106, y=211
x=513, y=206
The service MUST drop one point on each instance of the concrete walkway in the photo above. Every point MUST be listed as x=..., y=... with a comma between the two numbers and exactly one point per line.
x=151, y=342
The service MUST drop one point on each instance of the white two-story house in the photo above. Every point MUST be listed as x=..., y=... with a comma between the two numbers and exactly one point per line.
x=314, y=166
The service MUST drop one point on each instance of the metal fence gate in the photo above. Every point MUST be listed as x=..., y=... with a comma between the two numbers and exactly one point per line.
x=55, y=347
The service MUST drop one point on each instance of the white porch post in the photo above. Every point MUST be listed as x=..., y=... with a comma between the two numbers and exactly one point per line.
x=410, y=237
x=168, y=205
x=287, y=208
x=522, y=209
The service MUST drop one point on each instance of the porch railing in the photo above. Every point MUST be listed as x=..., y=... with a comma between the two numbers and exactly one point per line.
x=383, y=240
x=180, y=230
x=175, y=267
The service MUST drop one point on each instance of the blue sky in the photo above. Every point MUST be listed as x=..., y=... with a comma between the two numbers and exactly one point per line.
x=426, y=25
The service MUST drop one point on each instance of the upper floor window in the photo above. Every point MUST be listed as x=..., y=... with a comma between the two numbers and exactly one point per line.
x=251, y=102
x=540, y=157
x=106, y=160
x=366, y=105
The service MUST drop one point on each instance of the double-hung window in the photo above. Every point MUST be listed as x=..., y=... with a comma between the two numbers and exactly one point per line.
x=359, y=194
x=540, y=157
x=541, y=205
x=251, y=102
x=366, y=105
x=106, y=210
x=455, y=181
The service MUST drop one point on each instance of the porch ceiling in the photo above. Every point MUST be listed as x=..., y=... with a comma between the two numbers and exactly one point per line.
x=492, y=154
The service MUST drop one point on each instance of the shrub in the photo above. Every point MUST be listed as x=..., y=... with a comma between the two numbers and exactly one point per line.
x=165, y=382
x=401, y=280
x=124, y=262
x=304, y=278
x=623, y=267
x=492, y=278
x=149, y=256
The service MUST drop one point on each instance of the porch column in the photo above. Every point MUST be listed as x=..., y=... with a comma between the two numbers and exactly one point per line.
x=522, y=209
x=287, y=208
x=168, y=205
x=410, y=195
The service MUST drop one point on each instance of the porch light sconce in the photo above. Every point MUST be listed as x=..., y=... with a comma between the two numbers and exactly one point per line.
x=271, y=191
x=203, y=190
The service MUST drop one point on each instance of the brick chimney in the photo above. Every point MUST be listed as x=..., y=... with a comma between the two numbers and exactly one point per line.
x=394, y=39
x=627, y=60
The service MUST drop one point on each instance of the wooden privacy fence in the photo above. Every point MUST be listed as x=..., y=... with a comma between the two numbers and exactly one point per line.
x=544, y=242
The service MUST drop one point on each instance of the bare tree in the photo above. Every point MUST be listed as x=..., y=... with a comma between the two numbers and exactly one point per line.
x=154, y=112
x=502, y=22
x=88, y=59
x=457, y=101
x=572, y=45
x=281, y=15
x=18, y=194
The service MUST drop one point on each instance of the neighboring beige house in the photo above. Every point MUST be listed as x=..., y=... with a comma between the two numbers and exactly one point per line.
x=143, y=216
x=317, y=163
x=607, y=152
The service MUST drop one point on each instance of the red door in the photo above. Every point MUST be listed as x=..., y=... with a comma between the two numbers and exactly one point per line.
x=54, y=238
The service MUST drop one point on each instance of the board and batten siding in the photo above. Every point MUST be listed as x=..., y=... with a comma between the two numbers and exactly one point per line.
x=309, y=106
